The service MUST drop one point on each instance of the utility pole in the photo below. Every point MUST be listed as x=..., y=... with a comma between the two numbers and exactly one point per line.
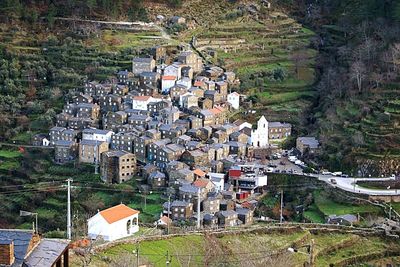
x=96, y=153
x=198, y=208
x=69, y=209
x=137, y=255
x=168, y=259
x=169, y=211
x=281, y=212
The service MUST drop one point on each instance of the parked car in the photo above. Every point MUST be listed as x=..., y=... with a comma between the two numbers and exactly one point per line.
x=344, y=176
x=326, y=173
x=337, y=173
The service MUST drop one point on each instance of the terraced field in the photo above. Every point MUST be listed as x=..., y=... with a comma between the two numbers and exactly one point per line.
x=330, y=249
x=271, y=57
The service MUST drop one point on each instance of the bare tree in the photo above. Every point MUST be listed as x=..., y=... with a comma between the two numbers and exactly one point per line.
x=85, y=252
x=357, y=73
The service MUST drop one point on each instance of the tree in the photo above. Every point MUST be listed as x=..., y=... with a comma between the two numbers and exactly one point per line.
x=357, y=73
x=51, y=14
x=91, y=4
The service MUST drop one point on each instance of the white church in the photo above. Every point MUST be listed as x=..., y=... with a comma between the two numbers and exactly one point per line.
x=114, y=223
x=259, y=136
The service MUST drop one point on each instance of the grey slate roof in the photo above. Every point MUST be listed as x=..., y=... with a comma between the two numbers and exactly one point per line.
x=142, y=59
x=276, y=124
x=21, y=239
x=64, y=143
x=46, y=253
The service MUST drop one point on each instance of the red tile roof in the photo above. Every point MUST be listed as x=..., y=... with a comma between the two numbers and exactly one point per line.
x=199, y=172
x=142, y=98
x=198, y=83
x=169, y=78
x=116, y=213
x=201, y=182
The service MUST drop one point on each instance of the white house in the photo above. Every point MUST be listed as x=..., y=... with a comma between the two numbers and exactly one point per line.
x=141, y=102
x=186, y=82
x=218, y=180
x=234, y=100
x=114, y=223
x=167, y=82
x=173, y=70
x=188, y=100
x=97, y=135
x=259, y=137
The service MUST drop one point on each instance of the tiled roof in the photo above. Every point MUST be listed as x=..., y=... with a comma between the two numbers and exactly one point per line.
x=142, y=98
x=169, y=78
x=201, y=183
x=116, y=213
x=199, y=172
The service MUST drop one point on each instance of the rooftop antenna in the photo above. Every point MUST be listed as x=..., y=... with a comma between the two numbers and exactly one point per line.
x=24, y=213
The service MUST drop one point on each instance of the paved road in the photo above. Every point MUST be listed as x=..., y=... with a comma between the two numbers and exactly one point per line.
x=350, y=185
x=346, y=184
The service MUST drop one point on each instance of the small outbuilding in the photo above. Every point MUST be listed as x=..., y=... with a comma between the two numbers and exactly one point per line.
x=114, y=223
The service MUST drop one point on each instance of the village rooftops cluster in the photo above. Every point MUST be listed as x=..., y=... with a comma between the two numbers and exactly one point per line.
x=168, y=115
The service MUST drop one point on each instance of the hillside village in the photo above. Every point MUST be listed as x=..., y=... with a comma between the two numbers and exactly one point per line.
x=167, y=120
x=198, y=133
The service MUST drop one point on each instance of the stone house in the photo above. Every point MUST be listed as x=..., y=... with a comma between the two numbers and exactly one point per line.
x=113, y=119
x=159, y=52
x=211, y=205
x=123, y=141
x=190, y=59
x=40, y=140
x=222, y=88
x=187, y=71
x=87, y=110
x=245, y=215
x=227, y=218
x=110, y=103
x=62, y=119
x=140, y=147
x=239, y=137
x=278, y=131
x=65, y=151
x=140, y=65
x=207, y=117
x=55, y=134
x=176, y=91
x=149, y=79
x=180, y=174
x=181, y=210
x=307, y=144
x=90, y=150
x=82, y=123
x=139, y=120
x=82, y=98
x=195, y=158
x=157, y=179
x=120, y=89
x=205, y=103
x=117, y=166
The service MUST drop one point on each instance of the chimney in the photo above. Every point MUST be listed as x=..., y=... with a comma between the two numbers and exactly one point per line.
x=6, y=252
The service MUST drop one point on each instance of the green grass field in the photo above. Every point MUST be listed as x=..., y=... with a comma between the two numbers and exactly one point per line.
x=9, y=154
x=330, y=207
x=237, y=250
